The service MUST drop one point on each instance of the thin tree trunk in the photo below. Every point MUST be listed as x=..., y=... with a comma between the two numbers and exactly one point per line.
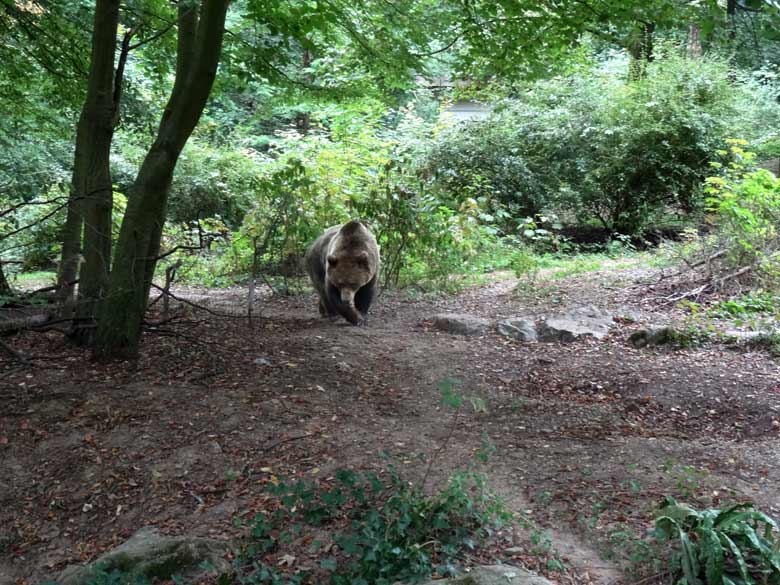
x=200, y=36
x=71, y=255
x=731, y=18
x=304, y=118
x=91, y=192
x=5, y=287
x=731, y=24
x=694, y=41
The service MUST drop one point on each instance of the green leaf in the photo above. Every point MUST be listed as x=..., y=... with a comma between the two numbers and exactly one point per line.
x=448, y=396
x=328, y=564
x=738, y=557
x=712, y=551
x=689, y=559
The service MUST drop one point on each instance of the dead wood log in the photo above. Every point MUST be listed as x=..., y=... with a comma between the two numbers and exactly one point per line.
x=8, y=326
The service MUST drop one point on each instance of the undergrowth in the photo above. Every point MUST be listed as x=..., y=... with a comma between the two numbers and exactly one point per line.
x=735, y=546
x=369, y=529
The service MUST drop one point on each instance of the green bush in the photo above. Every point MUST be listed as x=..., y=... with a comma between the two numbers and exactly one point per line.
x=747, y=207
x=747, y=305
x=593, y=147
x=385, y=528
x=736, y=546
x=309, y=183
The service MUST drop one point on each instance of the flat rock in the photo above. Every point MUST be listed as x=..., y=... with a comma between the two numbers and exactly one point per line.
x=493, y=575
x=460, y=324
x=748, y=336
x=518, y=328
x=151, y=555
x=576, y=323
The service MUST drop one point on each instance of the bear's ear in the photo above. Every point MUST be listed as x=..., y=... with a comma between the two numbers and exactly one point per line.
x=332, y=260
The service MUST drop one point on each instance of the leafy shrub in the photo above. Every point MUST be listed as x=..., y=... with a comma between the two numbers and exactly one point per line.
x=542, y=234
x=596, y=148
x=736, y=546
x=386, y=528
x=747, y=207
x=309, y=183
x=746, y=305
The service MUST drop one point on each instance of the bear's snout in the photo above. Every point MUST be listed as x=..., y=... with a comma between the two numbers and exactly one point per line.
x=348, y=296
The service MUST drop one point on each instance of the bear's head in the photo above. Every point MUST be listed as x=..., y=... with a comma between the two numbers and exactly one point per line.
x=349, y=271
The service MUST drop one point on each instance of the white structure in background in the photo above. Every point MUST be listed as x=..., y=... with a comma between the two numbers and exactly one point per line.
x=460, y=110
x=463, y=110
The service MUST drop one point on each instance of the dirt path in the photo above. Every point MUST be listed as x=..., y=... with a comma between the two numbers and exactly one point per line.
x=588, y=436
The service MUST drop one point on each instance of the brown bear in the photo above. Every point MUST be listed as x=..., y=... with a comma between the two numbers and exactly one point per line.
x=343, y=264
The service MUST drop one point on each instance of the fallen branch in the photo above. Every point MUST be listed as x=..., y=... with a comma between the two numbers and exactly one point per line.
x=18, y=355
x=14, y=325
x=733, y=275
x=176, y=249
x=196, y=305
x=275, y=444
x=712, y=284
x=52, y=288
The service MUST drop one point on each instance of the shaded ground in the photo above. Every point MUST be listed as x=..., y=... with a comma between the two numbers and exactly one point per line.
x=589, y=436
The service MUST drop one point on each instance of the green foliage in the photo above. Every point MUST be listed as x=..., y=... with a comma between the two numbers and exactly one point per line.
x=31, y=232
x=593, y=147
x=738, y=545
x=747, y=207
x=386, y=529
x=117, y=577
x=542, y=234
x=350, y=166
x=747, y=305
x=525, y=264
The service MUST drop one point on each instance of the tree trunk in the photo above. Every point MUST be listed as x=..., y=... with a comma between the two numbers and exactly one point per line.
x=731, y=24
x=304, y=118
x=91, y=192
x=5, y=287
x=694, y=41
x=200, y=34
x=731, y=17
x=71, y=256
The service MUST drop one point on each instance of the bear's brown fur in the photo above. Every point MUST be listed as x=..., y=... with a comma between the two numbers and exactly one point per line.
x=343, y=264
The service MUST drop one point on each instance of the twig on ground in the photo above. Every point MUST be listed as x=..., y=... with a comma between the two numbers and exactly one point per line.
x=278, y=442
x=18, y=355
x=441, y=448
x=651, y=578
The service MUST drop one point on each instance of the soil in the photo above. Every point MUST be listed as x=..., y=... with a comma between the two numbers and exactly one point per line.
x=589, y=436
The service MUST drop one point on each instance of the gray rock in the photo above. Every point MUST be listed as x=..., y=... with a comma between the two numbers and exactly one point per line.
x=518, y=328
x=493, y=575
x=151, y=555
x=261, y=361
x=576, y=323
x=460, y=324
x=748, y=336
x=646, y=337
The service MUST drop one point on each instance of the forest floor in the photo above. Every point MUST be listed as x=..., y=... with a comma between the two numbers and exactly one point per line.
x=589, y=436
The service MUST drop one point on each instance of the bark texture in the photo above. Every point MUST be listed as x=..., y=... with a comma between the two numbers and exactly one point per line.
x=5, y=287
x=695, y=50
x=91, y=196
x=200, y=33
